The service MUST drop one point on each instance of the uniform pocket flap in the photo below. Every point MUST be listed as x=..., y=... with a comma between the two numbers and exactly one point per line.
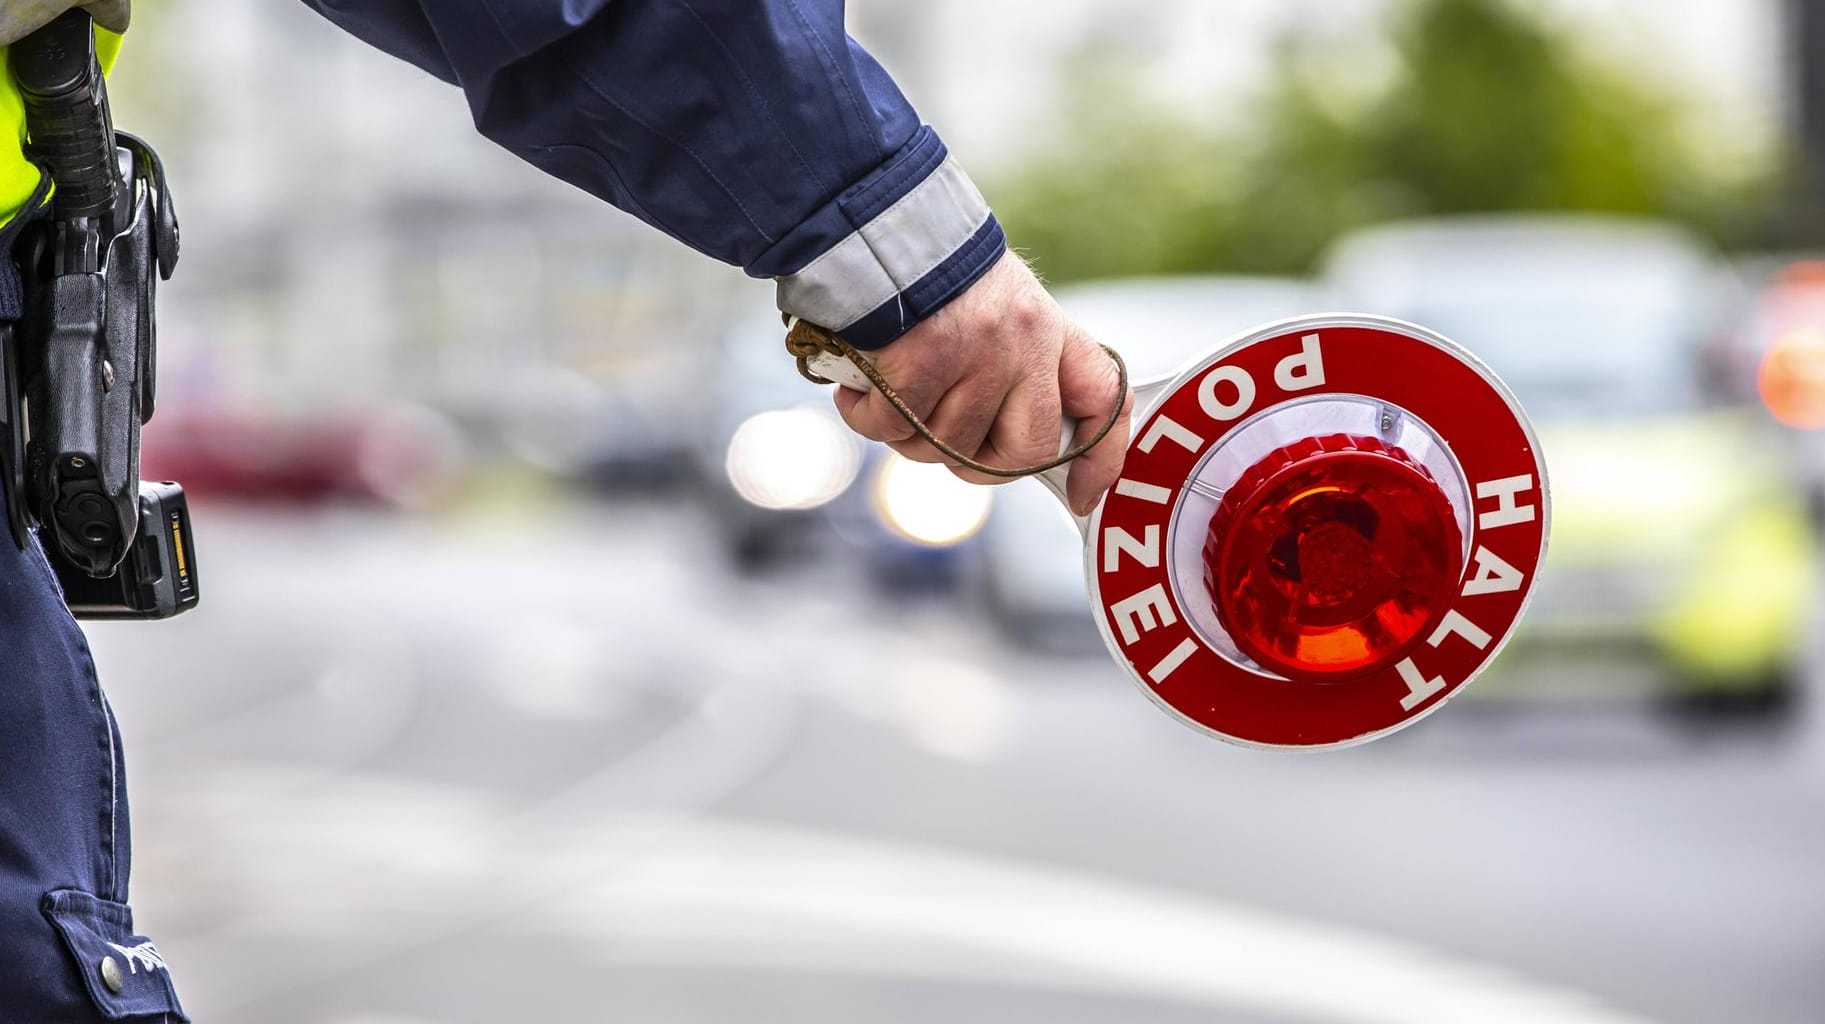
x=123, y=971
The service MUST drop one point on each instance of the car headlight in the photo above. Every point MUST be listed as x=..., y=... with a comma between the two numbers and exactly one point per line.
x=926, y=504
x=792, y=459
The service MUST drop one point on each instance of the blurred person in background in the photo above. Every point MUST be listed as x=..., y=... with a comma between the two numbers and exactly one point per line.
x=755, y=131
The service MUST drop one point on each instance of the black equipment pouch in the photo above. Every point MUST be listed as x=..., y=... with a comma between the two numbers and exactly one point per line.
x=81, y=366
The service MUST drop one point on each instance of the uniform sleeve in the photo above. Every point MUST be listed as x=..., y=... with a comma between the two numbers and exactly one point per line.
x=755, y=131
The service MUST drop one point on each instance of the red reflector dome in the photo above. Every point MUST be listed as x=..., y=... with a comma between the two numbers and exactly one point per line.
x=1331, y=556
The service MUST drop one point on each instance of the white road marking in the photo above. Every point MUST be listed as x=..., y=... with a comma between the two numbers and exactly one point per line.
x=373, y=868
x=953, y=708
x=754, y=897
x=551, y=668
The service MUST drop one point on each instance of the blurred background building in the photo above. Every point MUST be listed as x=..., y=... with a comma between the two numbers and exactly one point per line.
x=295, y=142
x=565, y=659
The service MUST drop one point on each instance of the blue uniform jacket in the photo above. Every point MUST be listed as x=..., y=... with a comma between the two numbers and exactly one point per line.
x=755, y=131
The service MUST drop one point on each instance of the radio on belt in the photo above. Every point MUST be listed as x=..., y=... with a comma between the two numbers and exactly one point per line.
x=1324, y=529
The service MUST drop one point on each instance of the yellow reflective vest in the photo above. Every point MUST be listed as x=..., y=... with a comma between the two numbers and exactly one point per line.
x=19, y=176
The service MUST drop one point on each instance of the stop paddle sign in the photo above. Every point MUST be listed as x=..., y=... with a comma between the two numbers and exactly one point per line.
x=1324, y=529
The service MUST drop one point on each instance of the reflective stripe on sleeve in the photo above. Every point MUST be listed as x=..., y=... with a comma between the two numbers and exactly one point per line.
x=889, y=254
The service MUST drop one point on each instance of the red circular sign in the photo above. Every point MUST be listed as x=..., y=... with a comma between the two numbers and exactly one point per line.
x=1142, y=609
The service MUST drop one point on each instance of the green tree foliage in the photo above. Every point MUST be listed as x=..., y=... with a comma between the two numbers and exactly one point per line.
x=1496, y=113
x=1489, y=110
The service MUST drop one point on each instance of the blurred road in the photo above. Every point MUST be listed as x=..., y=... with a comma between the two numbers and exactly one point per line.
x=571, y=771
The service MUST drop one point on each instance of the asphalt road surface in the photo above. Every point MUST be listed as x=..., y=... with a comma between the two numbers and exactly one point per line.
x=395, y=773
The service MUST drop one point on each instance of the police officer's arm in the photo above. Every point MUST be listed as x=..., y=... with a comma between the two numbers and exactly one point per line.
x=759, y=133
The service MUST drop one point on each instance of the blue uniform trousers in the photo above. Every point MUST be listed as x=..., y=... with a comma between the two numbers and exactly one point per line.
x=68, y=950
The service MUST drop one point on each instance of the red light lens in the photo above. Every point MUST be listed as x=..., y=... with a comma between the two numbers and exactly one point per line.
x=1331, y=556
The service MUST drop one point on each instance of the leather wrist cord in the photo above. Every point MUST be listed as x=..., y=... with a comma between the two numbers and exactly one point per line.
x=806, y=340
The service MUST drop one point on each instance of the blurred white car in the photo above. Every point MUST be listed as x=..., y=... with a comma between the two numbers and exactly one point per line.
x=783, y=474
x=1681, y=563
x=1032, y=557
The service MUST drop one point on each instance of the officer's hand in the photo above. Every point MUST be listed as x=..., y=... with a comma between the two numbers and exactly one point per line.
x=992, y=374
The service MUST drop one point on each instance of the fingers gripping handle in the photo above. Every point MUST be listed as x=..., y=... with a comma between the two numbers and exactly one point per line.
x=839, y=369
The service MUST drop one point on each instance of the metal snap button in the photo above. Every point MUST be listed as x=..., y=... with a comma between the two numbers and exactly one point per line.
x=110, y=975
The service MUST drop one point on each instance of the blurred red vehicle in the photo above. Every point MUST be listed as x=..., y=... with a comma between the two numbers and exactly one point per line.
x=395, y=455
